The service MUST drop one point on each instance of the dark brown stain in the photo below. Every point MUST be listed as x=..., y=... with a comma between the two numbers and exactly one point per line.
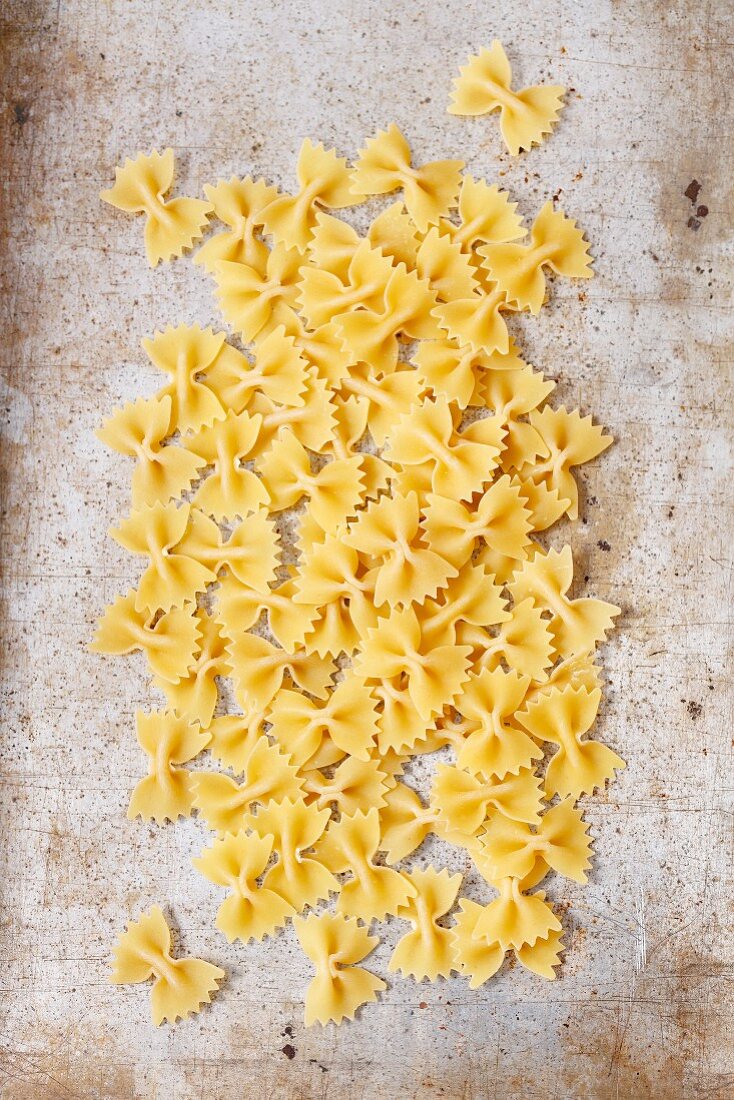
x=289, y=1050
x=693, y=190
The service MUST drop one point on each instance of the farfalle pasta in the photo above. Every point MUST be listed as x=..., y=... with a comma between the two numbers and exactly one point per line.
x=187, y=354
x=426, y=952
x=167, y=792
x=371, y=891
x=345, y=505
x=169, y=641
x=483, y=85
x=238, y=204
x=180, y=986
x=250, y=911
x=295, y=827
x=384, y=165
x=171, y=226
x=517, y=269
x=325, y=181
x=334, y=944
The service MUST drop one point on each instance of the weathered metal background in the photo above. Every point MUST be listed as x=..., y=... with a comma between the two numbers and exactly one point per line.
x=643, y=1006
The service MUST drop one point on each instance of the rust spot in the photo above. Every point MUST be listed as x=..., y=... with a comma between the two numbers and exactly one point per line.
x=289, y=1050
x=693, y=190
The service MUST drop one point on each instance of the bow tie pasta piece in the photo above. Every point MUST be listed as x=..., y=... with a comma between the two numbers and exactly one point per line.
x=171, y=579
x=448, y=270
x=513, y=389
x=512, y=396
x=463, y=801
x=239, y=204
x=477, y=321
x=185, y=354
x=578, y=671
x=324, y=349
x=256, y=299
x=169, y=641
x=577, y=626
x=312, y=423
x=195, y=694
x=456, y=372
x=250, y=553
x=479, y=959
x=426, y=952
x=137, y=430
x=349, y=845
x=348, y=718
x=181, y=986
x=334, y=944
x=500, y=519
x=514, y=919
x=389, y=530
x=339, y=625
x=323, y=295
x=408, y=309
x=298, y=728
x=394, y=232
x=404, y=823
x=460, y=462
x=485, y=214
x=400, y=727
x=484, y=85
x=233, y=737
x=510, y=849
x=240, y=608
x=325, y=180
x=496, y=746
x=296, y=827
x=334, y=492
x=517, y=269
x=356, y=786
x=331, y=571
x=258, y=668
x=249, y=912
x=570, y=440
x=332, y=245
x=224, y=804
x=384, y=165
x=563, y=717
x=471, y=599
x=170, y=227
x=230, y=491
x=167, y=792
x=387, y=397
x=279, y=372
x=395, y=647
x=524, y=642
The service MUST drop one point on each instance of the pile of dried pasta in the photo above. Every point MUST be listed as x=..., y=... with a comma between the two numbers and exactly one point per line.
x=343, y=522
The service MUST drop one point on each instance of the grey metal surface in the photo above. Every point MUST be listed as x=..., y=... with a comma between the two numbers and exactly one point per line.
x=643, y=1004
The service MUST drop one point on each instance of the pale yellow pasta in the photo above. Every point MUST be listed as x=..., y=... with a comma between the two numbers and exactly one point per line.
x=483, y=85
x=181, y=986
x=339, y=522
x=171, y=226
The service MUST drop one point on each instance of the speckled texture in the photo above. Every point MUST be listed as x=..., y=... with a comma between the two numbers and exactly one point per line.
x=643, y=1004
